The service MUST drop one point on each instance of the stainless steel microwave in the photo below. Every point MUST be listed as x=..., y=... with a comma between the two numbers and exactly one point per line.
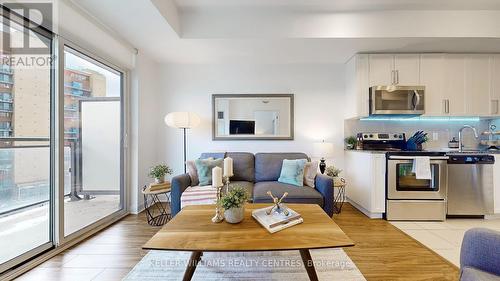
x=397, y=100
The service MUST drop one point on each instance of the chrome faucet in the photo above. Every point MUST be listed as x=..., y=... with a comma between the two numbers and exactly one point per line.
x=460, y=141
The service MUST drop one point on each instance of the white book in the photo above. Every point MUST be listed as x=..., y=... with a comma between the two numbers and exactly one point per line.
x=276, y=222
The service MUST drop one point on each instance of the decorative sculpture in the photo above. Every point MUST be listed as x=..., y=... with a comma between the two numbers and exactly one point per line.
x=278, y=207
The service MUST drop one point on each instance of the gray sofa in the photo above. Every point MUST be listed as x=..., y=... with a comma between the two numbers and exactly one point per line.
x=259, y=173
x=480, y=255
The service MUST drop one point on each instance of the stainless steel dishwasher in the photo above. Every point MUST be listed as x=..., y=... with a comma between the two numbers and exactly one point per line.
x=470, y=185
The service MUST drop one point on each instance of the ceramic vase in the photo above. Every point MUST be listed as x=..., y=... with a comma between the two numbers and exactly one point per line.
x=234, y=215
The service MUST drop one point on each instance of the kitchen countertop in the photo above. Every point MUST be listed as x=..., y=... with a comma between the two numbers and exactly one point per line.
x=449, y=151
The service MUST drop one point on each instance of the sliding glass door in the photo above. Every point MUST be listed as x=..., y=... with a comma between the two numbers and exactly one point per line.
x=26, y=186
x=92, y=140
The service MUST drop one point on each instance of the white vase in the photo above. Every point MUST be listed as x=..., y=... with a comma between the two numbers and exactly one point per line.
x=234, y=215
x=160, y=179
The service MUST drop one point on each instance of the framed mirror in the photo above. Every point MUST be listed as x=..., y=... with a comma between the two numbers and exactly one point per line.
x=252, y=117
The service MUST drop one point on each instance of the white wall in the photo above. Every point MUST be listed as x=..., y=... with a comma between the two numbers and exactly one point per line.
x=145, y=123
x=318, y=90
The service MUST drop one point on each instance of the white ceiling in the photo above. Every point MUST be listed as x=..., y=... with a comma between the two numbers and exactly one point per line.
x=191, y=31
x=346, y=5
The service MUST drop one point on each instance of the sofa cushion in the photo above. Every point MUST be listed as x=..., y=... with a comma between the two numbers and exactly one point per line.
x=243, y=166
x=268, y=165
x=292, y=172
x=204, y=168
x=295, y=194
x=472, y=274
x=310, y=171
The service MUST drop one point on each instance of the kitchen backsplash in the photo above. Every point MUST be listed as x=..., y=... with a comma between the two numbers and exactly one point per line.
x=439, y=131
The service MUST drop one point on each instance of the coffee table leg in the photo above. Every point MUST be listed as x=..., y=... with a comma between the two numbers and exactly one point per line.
x=191, y=267
x=308, y=263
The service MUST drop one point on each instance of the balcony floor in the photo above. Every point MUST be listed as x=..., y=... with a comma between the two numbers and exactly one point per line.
x=28, y=229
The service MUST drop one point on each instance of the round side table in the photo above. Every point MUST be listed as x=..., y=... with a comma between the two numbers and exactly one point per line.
x=156, y=213
x=339, y=198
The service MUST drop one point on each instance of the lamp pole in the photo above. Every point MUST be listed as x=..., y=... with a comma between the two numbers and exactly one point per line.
x=184, y=129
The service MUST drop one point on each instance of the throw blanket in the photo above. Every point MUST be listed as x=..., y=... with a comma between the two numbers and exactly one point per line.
x=198, y=195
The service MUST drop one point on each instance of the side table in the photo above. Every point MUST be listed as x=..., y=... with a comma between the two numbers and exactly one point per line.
x=339, y=198
x=156, y=213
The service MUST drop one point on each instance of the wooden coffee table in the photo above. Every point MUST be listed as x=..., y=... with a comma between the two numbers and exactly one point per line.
x=192, y=230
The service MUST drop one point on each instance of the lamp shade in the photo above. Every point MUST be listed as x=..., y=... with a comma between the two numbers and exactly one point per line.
x=182, y=120
x=323, y=149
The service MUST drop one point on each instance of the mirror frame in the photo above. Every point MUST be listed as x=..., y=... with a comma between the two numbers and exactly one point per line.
x=292, y=116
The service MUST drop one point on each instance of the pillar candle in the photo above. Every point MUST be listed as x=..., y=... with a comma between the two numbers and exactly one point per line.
x=228, y=167
x=217, y=177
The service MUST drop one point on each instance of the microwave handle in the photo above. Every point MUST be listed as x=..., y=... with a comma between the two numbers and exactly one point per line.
x=417, y=102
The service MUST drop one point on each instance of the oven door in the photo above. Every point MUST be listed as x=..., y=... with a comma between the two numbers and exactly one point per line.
x=403, y=184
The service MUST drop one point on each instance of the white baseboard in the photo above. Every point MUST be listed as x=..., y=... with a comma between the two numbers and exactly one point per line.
x=365, y=211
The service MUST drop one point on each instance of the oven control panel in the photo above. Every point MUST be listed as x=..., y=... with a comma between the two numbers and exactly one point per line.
x=381, y=136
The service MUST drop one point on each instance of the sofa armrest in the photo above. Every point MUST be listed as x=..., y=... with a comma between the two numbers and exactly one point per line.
x=179, y=184
x=324, y=185
x=481, y=250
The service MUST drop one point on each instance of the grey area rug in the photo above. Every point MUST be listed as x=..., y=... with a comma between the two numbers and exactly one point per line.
x=331, y=264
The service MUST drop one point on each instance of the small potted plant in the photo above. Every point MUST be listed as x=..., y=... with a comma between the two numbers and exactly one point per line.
x=350, y=142
x=159, y=172
x=233, y=203
x=333, y=172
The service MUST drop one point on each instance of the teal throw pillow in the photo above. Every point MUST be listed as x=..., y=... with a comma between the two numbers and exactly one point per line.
x=205, y=166
x=292, y=172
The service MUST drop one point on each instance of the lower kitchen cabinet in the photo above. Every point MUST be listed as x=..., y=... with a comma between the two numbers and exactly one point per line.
x=496, y=184
x=365, y=175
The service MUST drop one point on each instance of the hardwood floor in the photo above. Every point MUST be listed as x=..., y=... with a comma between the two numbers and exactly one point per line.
x=382, y=252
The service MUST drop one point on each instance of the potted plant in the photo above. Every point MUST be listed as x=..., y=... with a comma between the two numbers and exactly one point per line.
x=333, y=172
x=350, y=142
x=233, y=203
x=159, y=171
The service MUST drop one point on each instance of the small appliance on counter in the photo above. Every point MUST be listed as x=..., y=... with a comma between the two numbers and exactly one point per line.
x=381, y=141
x=453, y=143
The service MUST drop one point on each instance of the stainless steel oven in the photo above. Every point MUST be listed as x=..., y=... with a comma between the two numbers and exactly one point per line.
x=399, y=100
x=409, y=198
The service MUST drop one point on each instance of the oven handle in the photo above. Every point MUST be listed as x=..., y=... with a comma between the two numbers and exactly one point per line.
x=413, y=157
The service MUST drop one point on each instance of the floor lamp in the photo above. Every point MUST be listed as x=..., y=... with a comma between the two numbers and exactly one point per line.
x=184, y=121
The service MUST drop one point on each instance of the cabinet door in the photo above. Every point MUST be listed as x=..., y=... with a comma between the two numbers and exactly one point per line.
x=432, y=77
x=407, y=67
x=381, y=68
x=495, y=93
x=477, y=84
x=454, y=91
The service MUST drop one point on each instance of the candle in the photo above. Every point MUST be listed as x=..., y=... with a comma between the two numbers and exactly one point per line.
x=217, y=177
x=228, y=167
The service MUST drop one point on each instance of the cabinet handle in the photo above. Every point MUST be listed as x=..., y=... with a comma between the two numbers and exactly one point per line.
x=494, y=106
x=446, y=104
x=397, y=76
x=393, y=77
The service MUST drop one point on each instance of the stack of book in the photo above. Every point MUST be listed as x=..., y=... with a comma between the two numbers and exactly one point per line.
x=275, y=222
x=159, y=186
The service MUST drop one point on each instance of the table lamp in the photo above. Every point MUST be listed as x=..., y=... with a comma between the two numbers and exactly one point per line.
x=322, y=150
x=184, y=121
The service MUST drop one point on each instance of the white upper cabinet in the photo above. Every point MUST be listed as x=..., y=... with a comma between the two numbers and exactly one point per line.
x=455, y=84
x=432, y=77
x=381, y=70
x=407, y=69
x=477, y=85
x=454, y=90
x=495, y=93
